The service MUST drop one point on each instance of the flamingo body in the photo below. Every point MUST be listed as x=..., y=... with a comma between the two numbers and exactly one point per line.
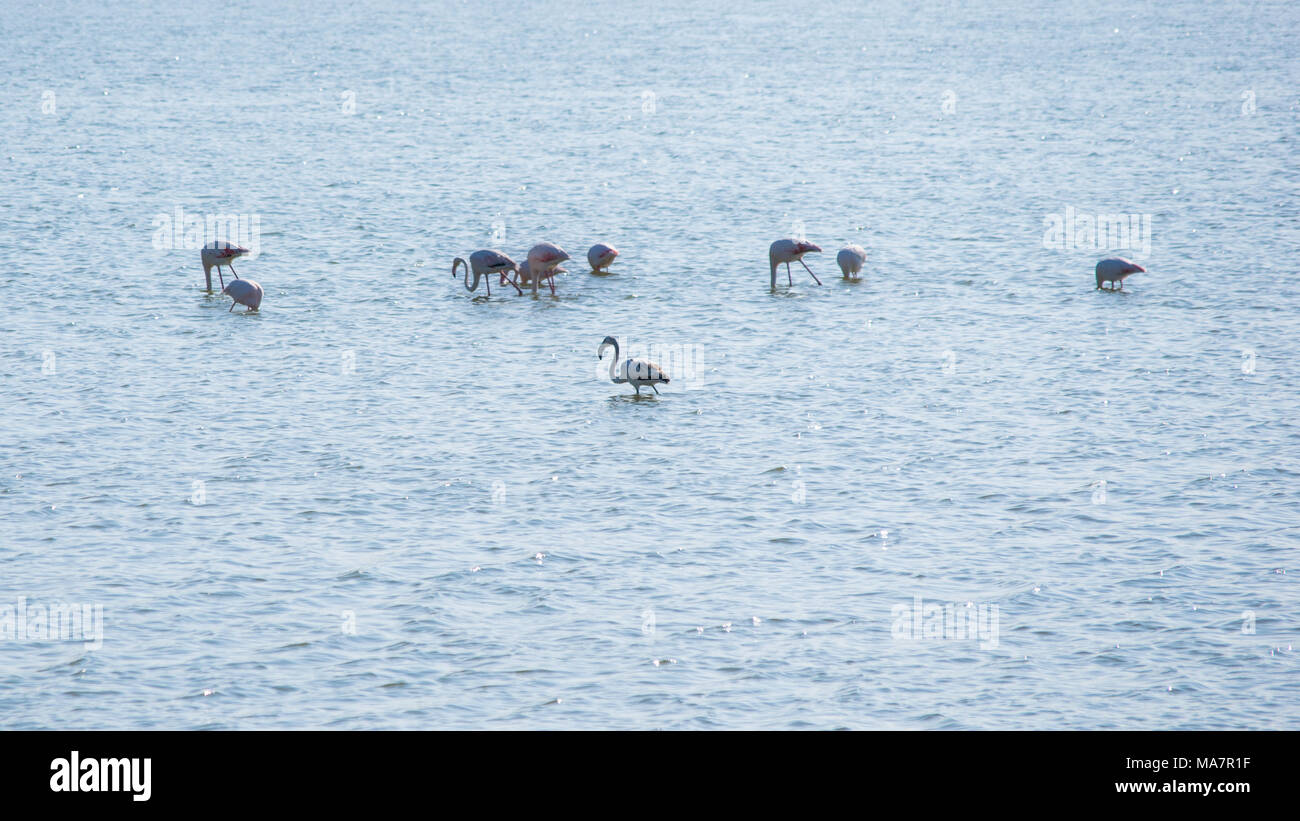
x=1116, y=269
x=788, y=251
x=543, y=262
x=244, y=292
x=601, y=256
x=851, y=258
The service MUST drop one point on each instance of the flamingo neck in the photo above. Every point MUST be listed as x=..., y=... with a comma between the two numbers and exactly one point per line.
x=613, y=362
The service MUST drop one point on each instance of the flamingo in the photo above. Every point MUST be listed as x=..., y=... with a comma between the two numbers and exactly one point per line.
x=601, y=256
x=787, y=251
x=1116, y=269
x=526, y=275
x=216, y=254
x=543, y=262
x=483, y=263
x=636, y=372
x=851, y=259
x=244, y=292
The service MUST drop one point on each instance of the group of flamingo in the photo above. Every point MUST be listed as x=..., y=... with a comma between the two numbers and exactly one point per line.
x=242, y=291
x=543, y=263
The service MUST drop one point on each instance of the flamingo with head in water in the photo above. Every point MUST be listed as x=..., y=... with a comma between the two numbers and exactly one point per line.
x=526, y=275
x=788, y=251
x=485, y=262
x=543, y=262
x=601, y=256
x=243, y=292
x=851, y=258
x=1116, y=269
x=635, y=372
x=216, y=254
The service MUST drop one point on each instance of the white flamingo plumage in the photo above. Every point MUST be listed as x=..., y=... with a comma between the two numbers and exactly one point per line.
x=851, y=258
x=635, y=372
x=485, y=262
x=788, y=251
x=601, y=256
x=216, y=254
x=1116, y=269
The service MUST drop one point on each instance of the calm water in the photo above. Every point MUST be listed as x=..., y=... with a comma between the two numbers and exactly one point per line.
x=382, y=503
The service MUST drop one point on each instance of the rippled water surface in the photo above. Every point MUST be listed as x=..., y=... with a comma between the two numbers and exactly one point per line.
x=382, y=503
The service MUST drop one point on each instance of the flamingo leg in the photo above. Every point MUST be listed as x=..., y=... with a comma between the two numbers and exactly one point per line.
x=809, y=270
x=232, y=307
x=220, y=277
x=232, y=269
x=656, y=390
x=487, y=282
x=787, y=274
x=551, y=282
x=512, y=282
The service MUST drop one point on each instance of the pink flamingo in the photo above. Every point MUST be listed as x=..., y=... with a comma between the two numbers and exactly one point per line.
x=601, y=256
x=851, y=259
x=787, y=251
x=543, y=262
x=526, y=275
x=216, y=254
x=1116, y=269
x=243, y=292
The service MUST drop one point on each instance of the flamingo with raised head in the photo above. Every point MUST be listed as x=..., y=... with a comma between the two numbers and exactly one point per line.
x=635, y=372
x=216, y=254
x=1116, y=269
x=485, y=262
x=788, y=251
x=243, y=292
x=543, y=262
x=601, y=256
x=851, y=258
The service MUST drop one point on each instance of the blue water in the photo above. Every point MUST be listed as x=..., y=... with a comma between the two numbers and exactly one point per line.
x=382, y=502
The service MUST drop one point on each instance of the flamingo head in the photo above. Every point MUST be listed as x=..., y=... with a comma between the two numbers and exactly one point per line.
x=608, y=341
x=806, y=248
x=233, y=252
x=1134, y=268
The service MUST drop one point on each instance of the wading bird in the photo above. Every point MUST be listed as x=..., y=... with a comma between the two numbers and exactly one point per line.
x=1116, y=269
x=601, y=256
x=483, y=263
x=851, y=259
x=635, y=372
x=216, y=254
x=787, y=251
x=544, y=263
x=526, y=275
x=243, y=292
